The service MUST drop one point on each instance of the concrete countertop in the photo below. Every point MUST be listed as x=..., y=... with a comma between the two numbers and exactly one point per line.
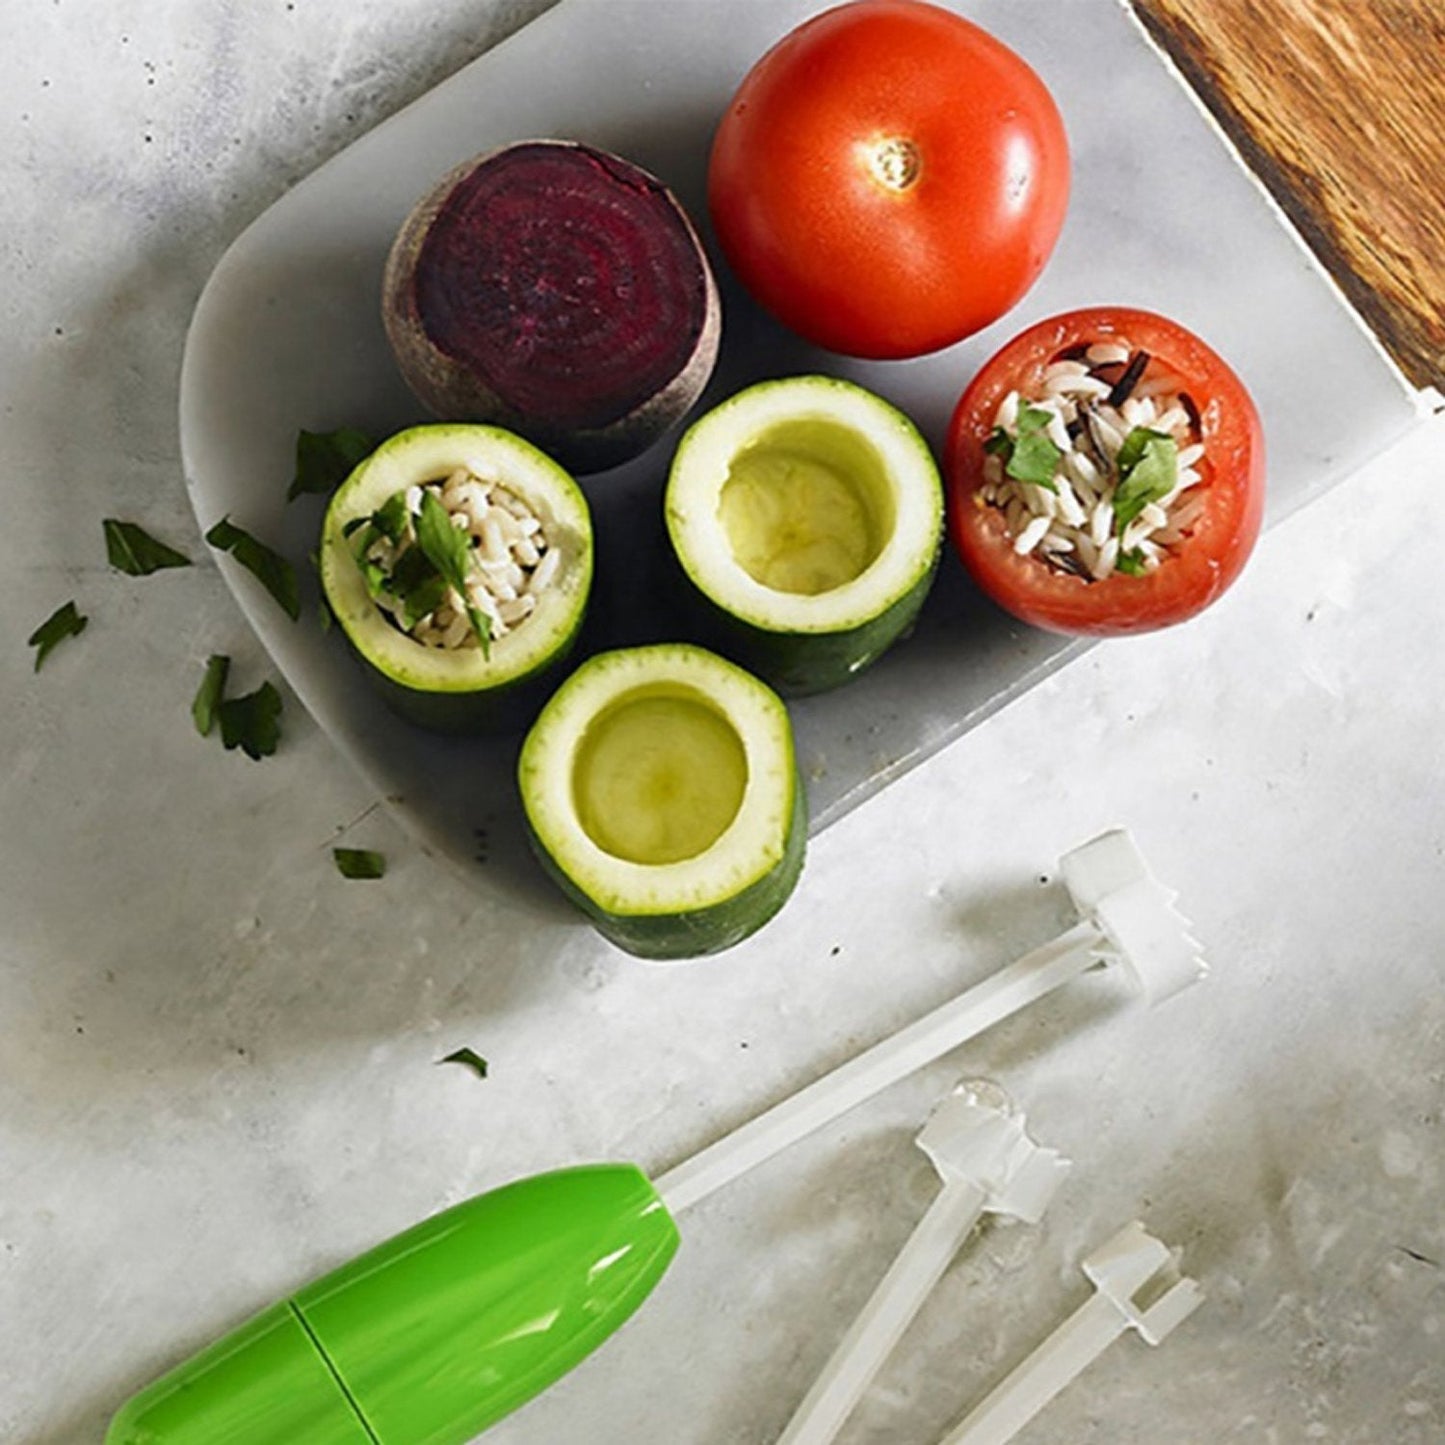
x=217, y=1057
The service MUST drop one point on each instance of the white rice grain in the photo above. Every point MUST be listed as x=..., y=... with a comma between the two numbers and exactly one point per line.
x=1108, y=353
x=1107, y=559
x=1031, y=536
x=546, y=570
x=1101, y=523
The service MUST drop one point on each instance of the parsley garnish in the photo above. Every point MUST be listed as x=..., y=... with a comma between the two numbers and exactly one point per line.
x=1131, y=563
x=132, y=550
x=1030, y=456
x=253, y=722
x=273, y=571
x=449, y=551
x=470, y=1058
x=325, y=459
x=359, y=862
x=1148, y=463
x=209, y=694
x=64, y=622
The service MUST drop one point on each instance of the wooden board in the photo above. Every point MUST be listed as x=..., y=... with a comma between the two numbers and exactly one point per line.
x=1339, y=107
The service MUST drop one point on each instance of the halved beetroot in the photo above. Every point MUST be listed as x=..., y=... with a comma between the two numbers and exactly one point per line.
x=558, y=291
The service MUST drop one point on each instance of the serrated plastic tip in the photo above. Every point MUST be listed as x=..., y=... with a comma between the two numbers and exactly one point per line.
x=970, y=1138
x=1111, y=885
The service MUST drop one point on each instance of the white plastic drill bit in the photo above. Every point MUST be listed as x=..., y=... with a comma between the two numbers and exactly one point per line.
x=987, y=1162
x=1137, y=1286
x=1127, y=918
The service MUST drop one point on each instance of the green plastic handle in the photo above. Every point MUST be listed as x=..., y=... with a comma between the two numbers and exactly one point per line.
x=436, y=1334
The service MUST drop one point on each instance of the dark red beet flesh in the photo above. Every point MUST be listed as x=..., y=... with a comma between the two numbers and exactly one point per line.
x=565, y=280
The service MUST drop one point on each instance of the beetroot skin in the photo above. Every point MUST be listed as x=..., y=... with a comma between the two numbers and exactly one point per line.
x=558, y=291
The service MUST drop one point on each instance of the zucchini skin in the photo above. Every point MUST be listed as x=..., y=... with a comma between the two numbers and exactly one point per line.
x=509, y=707
x=798, y=664
x=703, y=931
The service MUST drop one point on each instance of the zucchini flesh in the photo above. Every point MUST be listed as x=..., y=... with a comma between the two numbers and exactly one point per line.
x=659, y=777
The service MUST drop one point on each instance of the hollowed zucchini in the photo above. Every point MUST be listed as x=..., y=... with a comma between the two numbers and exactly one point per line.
x=662, y=794
x=807, y=516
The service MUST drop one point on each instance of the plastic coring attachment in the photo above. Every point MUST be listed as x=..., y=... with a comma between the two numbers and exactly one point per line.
x=988, y=1164
x=1128, y=918
x=1137, y=1286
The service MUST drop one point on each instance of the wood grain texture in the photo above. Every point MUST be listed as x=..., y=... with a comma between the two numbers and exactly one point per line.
x=1338, y=106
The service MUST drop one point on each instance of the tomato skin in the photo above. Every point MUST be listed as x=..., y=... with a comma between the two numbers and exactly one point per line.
x=1209, y=558
x=833, y=251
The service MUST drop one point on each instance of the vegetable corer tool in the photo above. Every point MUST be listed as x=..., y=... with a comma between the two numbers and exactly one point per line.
x=441, y=1331
x=1137, y=1285
x=987, y=1163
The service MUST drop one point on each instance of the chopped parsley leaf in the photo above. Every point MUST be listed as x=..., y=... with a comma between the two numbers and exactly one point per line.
x=64, y=622
x=271, y=569
x=132, y=550
x=1148, y=463
x=1033, y=456
x=210, y=693
x=450, y=552
x=359, y=862
x=468, y=1057
x=253, y=722
x=325, y=459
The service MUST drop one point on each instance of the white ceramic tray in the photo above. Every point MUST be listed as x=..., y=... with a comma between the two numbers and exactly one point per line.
x=287, y=335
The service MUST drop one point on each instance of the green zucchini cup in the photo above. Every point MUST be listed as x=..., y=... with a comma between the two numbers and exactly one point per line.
x=662, y=795
x=495, y=676
x=807, y=517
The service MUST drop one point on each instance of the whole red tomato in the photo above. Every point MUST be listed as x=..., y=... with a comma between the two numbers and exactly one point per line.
x=889, y=179
x=1228, y=500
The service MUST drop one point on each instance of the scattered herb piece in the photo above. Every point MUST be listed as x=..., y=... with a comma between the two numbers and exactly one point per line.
x=1148, y=465
x=998, y=443
x=272, y=570
x=449, y=551
x=64, y=622
x=1131, y=563
x=359, y=862
x=253, y=722
x=325, y=459
x=210, y=693
x=423, y=599
x=132, y=550
x=391, y=518
x=470, y=1058
x=1032, y=455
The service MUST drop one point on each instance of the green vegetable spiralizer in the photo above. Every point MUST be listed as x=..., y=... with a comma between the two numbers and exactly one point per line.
x=432, y=1336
